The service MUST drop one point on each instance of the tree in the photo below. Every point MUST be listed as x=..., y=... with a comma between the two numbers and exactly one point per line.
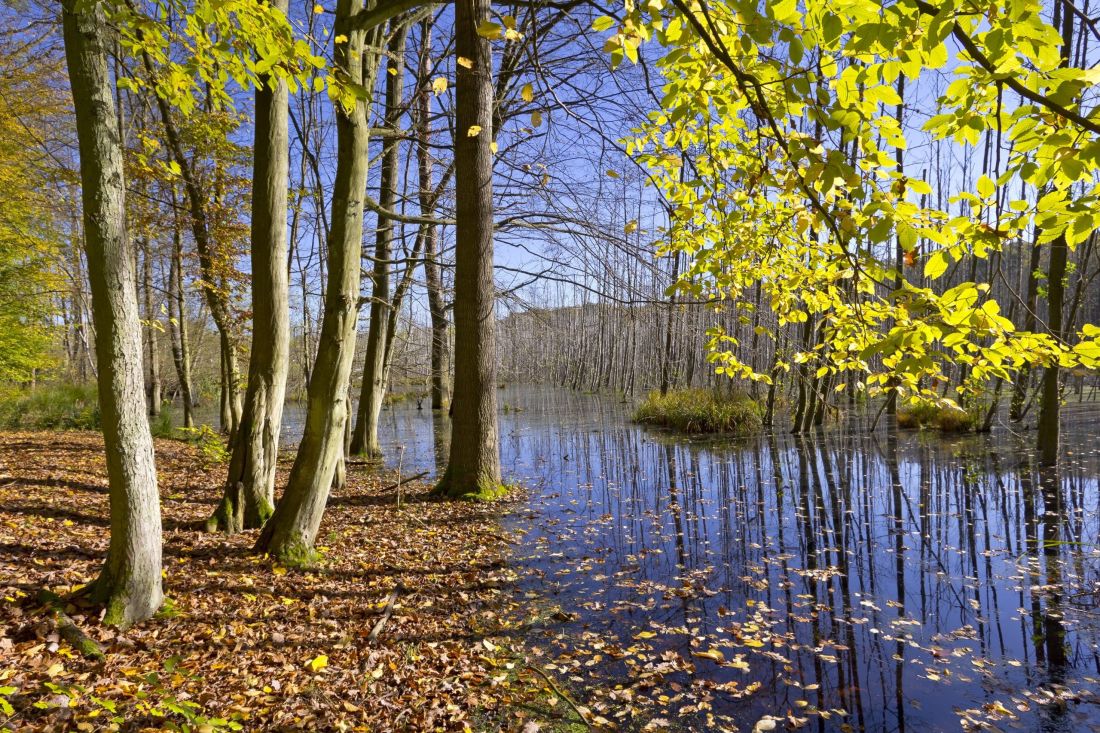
x=290, y=533
x=785, y=117
x=364, y=439
x=250, y=486
x=30, y=232
x=440, y=361
x=130, y=582
x=473, y=468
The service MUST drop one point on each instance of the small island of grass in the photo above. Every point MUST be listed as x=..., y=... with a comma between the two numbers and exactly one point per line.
x=701, y=411
x=947, y=418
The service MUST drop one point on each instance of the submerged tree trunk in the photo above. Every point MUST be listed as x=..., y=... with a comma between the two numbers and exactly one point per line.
x=250, y=486
x=1050, y=407
x=473, y=469
x=290, y=533
x=364, y=439
x=130, y=582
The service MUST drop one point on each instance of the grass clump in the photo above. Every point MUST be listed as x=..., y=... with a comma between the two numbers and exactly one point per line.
x=50, y=407
x=946, y=417
x=701, y=411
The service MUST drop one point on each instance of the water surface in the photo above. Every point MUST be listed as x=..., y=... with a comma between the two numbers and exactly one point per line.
x=844, y=581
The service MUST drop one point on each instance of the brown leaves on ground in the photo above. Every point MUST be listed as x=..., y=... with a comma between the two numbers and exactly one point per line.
x=248, y=645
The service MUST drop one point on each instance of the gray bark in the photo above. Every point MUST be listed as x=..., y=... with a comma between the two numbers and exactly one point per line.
x=250, y=485
x=364, y=439
x=473, y=469
x=130, y=582
x=290, y=533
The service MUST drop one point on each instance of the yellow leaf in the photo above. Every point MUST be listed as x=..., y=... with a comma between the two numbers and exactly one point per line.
x=645, y=635
x=474, y=131
x=754, y=643
x=318, y=663
x=340, y=39
x=528, y=93
x=489, y=29
x=536, y=118
x=465, y=62
x=494, y=147
x=715, y=655
x=318, y=8
x=439, y=85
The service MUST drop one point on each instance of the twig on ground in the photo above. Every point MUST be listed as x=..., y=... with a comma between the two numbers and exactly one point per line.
x=558, y=691
x=377, y=630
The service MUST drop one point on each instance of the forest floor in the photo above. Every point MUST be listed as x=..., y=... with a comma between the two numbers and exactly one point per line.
x=249, y=645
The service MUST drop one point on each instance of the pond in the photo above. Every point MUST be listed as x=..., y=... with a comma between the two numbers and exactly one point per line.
x=885, y=581
x=844, y=581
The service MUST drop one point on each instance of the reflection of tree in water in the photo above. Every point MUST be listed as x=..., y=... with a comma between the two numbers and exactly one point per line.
x=885, y=580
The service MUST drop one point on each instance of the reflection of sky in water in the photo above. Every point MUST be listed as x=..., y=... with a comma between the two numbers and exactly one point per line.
x=897, y=579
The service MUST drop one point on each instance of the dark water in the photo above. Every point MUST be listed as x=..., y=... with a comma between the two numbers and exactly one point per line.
x=894, y=581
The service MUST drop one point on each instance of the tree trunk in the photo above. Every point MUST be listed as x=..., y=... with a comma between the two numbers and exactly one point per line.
x=152, y=331
x=290, y=533
x=364, y=439
x=177, y=324
x=130, y=582
x=1050, y=408
x=473, y=469
x=250, y=486
x=437, y=309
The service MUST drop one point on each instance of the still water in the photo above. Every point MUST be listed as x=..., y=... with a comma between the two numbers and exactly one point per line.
x=894, y=581
x=846, y=581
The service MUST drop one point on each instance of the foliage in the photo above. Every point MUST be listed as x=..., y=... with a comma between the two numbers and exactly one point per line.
x=198, y=47
x=701, y=411
x=50, y=407
x=30, y=234
x=252, y=644
x=211, y=444
x=945, y=416
x=777, y=145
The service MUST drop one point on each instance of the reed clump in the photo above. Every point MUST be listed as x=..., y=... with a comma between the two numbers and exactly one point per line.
x=701, y=411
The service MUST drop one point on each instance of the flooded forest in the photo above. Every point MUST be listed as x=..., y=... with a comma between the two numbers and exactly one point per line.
x=549, y=365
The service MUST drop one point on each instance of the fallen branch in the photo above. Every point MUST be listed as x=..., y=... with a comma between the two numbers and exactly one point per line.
x=68, y=629
x=404, y=481
x=558, y=691
x=377, y=630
